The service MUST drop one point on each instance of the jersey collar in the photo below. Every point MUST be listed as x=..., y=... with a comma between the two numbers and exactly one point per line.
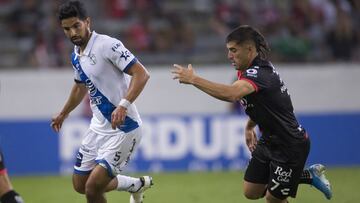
x=260, y=62
x=88, y=47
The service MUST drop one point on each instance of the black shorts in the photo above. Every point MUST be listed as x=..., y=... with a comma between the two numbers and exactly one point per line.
x=278, y=169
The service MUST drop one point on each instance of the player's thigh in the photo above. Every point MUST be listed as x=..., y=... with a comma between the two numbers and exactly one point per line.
x=254, y=190
x=98, y=180
x=115, y=153
x=79, y=182
x=256, y=179
x=271, y=199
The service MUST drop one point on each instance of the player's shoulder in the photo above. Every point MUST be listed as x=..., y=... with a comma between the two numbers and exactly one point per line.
x=109, y=43
x=256, y=71
x=259, y=69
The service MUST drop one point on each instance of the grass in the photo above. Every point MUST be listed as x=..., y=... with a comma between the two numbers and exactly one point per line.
x=200, y=187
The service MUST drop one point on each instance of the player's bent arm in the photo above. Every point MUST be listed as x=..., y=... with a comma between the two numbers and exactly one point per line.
x=250, y=124
x=139, y=78
x=77, y=94
x=230, y=93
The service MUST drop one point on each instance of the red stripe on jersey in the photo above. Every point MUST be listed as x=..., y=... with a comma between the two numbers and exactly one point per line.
x=252, y=83
x=3, y=172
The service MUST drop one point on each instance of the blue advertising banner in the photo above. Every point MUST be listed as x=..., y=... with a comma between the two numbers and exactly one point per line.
x=173, y=143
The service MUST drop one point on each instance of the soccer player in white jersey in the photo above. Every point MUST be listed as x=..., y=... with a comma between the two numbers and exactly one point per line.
x=114, y=78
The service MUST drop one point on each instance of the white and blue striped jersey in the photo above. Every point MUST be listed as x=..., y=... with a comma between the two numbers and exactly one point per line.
x=102, y=68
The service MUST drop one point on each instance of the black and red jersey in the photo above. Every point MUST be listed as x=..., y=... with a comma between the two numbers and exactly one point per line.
x=270, y=105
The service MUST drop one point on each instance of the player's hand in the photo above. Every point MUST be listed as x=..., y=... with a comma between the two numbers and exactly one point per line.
x=184, y=75
x=57, y=121
x=251, y=139
x=118, y=116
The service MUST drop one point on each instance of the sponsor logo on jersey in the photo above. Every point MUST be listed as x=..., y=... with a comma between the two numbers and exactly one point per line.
x=251, y=72
x=125, y=55
x=91, y=87
x=95, y=100
x=92, y=59
x=116, y=46
x=92, y=92
x=245, y=103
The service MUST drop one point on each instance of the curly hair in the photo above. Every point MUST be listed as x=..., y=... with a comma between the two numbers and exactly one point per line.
x=72, y=9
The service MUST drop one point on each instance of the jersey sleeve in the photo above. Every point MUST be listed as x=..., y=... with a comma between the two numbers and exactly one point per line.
x=77, y=78
x=118, y=54
x=256, y=77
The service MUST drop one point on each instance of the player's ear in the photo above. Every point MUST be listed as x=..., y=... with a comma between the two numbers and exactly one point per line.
x=88, y=21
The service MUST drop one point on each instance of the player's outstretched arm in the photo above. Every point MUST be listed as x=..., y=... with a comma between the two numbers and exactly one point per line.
x=230, y=93
x=77, y=94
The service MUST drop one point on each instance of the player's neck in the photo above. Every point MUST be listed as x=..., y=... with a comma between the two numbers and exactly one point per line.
x=83, y=47
x=253, y=55
x=251, y=58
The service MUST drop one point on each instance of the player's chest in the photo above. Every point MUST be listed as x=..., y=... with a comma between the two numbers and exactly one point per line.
x=93, y=65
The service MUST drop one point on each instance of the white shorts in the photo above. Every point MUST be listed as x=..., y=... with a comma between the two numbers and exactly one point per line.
x=110, y=151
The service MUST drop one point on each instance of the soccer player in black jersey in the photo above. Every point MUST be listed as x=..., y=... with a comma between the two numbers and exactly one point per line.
x=7, y=193
x=279, y=155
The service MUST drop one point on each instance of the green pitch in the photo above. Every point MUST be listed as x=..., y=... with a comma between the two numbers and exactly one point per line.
x=213, y=187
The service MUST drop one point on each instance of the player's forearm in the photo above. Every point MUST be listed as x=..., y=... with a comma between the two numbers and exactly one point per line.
x=137, y=84
x=250, y=124
x=219, y=91
x=76, y=96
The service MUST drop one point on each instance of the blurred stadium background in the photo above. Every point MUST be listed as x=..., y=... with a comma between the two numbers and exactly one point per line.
x=193, y=144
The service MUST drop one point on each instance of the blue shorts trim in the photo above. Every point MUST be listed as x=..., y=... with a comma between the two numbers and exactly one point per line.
x=82, y=172
x=108, y=167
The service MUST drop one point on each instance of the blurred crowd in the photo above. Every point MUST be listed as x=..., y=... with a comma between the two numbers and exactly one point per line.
x=184, y=31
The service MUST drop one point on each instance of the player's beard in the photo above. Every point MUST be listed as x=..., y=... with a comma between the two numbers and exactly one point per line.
x=81, y=41
x=78, y=41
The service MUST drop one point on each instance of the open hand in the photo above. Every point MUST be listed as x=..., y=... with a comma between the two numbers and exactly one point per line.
x=184, y=75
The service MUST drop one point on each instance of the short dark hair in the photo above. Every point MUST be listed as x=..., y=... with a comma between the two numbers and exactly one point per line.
x=71, y=9
x=245, y=33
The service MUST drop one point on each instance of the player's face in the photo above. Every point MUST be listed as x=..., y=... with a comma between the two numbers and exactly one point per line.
x=238, y=55
x=78, y=31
